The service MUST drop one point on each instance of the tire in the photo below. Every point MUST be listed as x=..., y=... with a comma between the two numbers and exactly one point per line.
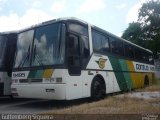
x=98, y=89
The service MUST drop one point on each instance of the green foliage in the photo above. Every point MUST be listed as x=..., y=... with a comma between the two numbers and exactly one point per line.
x=133, y=33
x=146, y=31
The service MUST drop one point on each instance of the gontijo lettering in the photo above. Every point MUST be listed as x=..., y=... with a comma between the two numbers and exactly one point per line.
x=142, y=67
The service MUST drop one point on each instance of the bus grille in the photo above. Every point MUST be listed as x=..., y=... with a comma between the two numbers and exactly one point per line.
x=23, y=80
x=30, y=80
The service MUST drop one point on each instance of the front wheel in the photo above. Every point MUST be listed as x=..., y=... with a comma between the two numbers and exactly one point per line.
x=98, y=90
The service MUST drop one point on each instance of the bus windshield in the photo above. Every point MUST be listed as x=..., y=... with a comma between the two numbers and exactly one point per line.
x=41, y=46
x=3, y=41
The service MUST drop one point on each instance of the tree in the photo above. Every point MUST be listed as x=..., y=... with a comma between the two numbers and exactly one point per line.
x=149, y=17
x=149, y=23
x=133, y=33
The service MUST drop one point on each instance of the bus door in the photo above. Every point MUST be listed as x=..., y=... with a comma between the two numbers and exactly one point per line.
x=73, y=55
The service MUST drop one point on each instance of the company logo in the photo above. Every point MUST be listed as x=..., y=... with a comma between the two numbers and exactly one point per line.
x=18, y=74
x=101, y=62
x=143, y=67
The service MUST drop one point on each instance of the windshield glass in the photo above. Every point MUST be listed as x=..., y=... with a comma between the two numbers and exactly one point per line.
x=3, y=41
x=24, y=44
x=47, y=49
x=48, y=46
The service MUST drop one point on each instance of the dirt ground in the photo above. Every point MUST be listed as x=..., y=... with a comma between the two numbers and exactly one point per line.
x=141, y=101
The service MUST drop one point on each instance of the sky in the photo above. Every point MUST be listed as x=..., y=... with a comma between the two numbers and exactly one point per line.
x=111, y=15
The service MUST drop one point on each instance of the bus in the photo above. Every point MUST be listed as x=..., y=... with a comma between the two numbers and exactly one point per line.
x=7, y=51
x=67, y=58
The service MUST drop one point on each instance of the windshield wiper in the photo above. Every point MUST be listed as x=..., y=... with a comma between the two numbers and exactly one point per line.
x=25, y=59
x=36, y=57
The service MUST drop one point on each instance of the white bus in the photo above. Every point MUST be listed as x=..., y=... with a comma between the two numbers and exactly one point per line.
x=7, y=51
x=67, y=58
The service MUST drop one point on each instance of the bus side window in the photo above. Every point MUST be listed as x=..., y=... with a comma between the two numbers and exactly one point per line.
x=105, y=44
x=151, y=58
x=113, y=45
x=85, y=46
x=129, y=51
x=138, y=54
x=100, y=42
x=96, y=41
x=120, y=48
x=147, y=57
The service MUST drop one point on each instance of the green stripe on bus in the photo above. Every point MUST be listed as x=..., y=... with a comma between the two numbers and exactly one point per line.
x=32, y=74
x=39, y=74
x=126, y=74
x=119, y=75
x=36, y=74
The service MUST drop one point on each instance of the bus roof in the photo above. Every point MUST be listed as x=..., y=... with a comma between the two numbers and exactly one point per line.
x=8, y=32
x=122, y=39
x=81, y=21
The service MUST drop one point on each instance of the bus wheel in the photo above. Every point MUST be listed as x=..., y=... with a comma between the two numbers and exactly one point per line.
x=98, y=89
x=146, y=81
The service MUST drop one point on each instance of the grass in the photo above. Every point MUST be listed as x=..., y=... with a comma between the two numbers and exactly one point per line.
x=116, y=105
x=113, y=105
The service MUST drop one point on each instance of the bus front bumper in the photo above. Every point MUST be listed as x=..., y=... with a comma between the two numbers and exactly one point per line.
x=41, y=91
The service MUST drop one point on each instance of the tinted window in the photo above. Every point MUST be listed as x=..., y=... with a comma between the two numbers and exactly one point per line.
x=120, y=48
x=116, y=46
x=105, y=44
x=85, y=48
x=78, y=29
x=100, y=42
x=147, y=57
x=138, y=54
x=129, y=51
x=3, y=41
x=151, y=60
x=74, y=51
x=96, y=41
x=24, y=45
x=48, y=45
x=113, y=45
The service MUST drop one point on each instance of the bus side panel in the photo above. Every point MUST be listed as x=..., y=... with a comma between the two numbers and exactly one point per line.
x=100, y=64
x=73, y=88
x=138, y=76
x=126, y=74
x=118, y=73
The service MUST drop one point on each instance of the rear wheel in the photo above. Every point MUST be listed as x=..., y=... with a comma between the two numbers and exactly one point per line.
x=98, y=89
